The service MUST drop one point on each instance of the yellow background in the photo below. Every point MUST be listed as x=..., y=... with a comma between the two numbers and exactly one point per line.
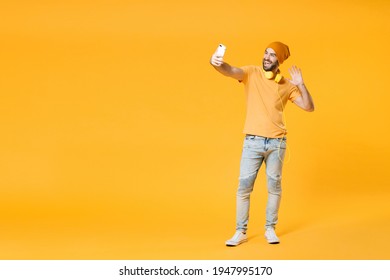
x=120, y=141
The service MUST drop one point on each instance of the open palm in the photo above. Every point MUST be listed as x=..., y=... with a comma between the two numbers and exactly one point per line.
x=296, y=75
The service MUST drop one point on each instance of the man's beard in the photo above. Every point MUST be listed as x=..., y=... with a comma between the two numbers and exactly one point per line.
x=270, y=67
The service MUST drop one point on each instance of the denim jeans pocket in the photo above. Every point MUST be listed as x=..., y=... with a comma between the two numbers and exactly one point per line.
x=250, y=142
x=279, y=143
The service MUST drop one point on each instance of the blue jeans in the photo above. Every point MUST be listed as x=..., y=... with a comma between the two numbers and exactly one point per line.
x=257, y=150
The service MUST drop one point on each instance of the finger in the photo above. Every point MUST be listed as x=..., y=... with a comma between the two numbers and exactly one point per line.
x=215, y=58
x=297, y=69
x=216, y=63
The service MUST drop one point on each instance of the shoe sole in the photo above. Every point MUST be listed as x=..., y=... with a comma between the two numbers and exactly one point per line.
x=235, y=244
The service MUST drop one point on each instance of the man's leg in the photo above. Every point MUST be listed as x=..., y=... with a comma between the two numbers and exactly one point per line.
x=274, y=165
x=251, y=160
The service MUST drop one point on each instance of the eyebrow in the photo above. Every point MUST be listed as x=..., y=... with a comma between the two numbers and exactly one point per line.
x=274, y=54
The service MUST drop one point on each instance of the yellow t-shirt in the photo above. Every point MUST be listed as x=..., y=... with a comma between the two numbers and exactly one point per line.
x=266, y=101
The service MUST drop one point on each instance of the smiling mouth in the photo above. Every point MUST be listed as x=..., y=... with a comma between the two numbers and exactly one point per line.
x=267, y=66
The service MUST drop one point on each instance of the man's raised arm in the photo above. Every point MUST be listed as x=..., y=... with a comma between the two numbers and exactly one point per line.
x=226, y=69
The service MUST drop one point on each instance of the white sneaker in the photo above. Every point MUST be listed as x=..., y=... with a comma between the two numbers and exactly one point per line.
x=271, y=237
x=238, y=238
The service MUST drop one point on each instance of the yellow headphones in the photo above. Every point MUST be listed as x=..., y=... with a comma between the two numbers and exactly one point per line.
x=270, y=75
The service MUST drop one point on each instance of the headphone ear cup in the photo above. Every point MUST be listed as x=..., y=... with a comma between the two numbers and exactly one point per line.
x=278, y=78
x=269, y=74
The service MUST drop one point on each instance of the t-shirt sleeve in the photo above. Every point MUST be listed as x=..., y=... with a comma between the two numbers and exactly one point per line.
x=294, y=93
x=246, y=70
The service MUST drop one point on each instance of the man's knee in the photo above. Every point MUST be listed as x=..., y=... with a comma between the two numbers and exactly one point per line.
x=246, y=184
x=274, y=184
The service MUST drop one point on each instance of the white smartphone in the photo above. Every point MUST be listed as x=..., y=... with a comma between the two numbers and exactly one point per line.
x=221, y=50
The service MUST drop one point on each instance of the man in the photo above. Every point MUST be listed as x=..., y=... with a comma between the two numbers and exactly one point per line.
x=267, y=93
